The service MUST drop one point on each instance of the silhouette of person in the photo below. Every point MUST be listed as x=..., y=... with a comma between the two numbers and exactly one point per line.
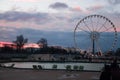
x=115, y=70
x=114, y=65
x=106, y=73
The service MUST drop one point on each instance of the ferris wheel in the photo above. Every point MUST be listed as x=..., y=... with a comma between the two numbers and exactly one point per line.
x=96, y=33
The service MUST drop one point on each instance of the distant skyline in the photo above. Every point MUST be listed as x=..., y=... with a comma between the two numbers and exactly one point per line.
x=51, y=16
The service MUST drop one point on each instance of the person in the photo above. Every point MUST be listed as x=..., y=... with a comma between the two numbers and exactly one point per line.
x=114, y=65
x=115, y=70
x=106, y=73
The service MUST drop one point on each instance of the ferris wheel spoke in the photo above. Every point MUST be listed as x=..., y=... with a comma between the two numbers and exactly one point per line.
x=92, y=24
x=110, y=41
x=106, y=40
x=107, y=29
x=79, y=42
x=107, y=34
x=83, y=30
x=102, y=26
x=87, y=26
x=97, y=24
x=81, y=35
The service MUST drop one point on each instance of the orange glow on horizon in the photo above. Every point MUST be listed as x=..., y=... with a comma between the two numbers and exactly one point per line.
x=8, y=44
x=31, y=45
x=13, y=45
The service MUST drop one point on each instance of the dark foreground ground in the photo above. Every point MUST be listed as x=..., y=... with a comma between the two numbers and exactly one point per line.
x=17, y=74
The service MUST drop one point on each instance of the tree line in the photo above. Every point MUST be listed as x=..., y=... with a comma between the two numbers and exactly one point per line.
x=21, y=41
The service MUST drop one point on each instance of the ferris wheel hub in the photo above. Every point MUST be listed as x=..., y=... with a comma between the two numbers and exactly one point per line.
x=94, y=35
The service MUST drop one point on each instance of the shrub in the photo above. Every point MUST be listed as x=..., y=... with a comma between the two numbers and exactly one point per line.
x=81, y=67
x=68, y=67
x=54, y=67
x=35, y=67
x=75, y=67
x=40, y=67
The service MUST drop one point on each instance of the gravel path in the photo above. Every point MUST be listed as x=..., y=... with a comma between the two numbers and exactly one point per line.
x=17, y=74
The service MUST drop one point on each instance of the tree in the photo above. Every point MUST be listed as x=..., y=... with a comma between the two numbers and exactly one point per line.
x=42, y=42
x=20, y=41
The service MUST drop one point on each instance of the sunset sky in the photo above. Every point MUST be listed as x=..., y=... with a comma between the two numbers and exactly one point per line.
x=51, y=15
x=61, y=15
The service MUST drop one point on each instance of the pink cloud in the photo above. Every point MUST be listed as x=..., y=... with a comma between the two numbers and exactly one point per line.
x=11, y=24
x=25, y=24
x=95, y=7
x=77, y=8
x=118, y=29
x=2, y=22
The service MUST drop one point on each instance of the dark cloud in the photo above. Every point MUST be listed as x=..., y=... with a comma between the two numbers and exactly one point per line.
x=114, y=2
x=58, y=5
x=39, y=18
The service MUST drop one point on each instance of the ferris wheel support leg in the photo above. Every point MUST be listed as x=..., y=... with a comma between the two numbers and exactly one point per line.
x=93, y=49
